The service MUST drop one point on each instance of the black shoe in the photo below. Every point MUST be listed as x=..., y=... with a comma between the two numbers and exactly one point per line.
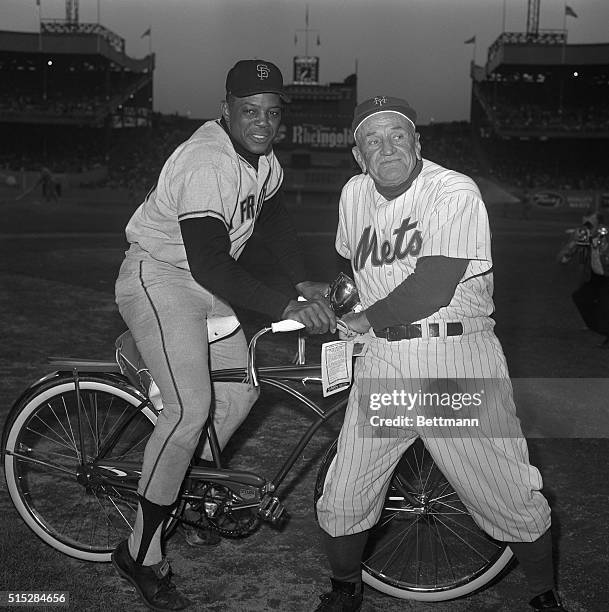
x=547, y=602
x=203, y=534
x=344, y=597
x=152, y=582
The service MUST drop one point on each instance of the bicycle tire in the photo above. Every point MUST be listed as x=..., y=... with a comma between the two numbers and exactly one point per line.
x=81, y=521
x=439, y=555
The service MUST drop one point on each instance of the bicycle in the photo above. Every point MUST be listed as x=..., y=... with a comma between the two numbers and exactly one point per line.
x=73, y=445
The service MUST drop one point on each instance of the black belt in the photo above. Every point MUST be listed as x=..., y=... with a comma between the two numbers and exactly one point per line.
x=415, y=330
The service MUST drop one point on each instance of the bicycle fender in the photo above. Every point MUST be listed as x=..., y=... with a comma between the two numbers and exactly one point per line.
x=59, y=376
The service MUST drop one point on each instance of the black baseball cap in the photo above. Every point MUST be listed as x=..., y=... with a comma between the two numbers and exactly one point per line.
x=382, y=104
x=250, y=77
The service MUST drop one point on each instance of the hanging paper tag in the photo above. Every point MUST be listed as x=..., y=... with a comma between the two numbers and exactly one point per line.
x=336, y=366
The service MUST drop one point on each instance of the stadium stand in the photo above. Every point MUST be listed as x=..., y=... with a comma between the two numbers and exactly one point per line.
x=73, y=101
x=540, y=119
x=65, y=93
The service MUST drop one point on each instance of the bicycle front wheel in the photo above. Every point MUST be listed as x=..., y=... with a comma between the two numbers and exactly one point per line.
x=82, y=517
x=426, y=546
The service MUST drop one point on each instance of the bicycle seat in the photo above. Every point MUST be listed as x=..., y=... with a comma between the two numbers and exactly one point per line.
x=134, y=368
x=220, y=327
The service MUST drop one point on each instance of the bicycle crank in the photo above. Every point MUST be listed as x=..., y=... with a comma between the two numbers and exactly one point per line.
x=221, y=507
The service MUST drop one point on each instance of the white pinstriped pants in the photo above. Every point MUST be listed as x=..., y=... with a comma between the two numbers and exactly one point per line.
x=492, y=475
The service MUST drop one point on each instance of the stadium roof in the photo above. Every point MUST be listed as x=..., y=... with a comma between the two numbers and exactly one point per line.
x=95, y=41
x=548, y=49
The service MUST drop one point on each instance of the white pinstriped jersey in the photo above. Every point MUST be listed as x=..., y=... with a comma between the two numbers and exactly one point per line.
x=203, y=177
x=441, y=213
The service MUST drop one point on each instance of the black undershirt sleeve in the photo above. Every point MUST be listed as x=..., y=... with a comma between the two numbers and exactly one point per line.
x=275, y=225
x=207, y=246
x=430, y=287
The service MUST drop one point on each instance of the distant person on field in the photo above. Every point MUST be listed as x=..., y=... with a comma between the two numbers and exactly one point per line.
x=589, y=245
x=51, y=189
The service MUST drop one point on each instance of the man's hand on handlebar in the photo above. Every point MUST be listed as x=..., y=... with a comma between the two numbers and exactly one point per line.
x=316, y=315
x=311, y=290
x=356, y=321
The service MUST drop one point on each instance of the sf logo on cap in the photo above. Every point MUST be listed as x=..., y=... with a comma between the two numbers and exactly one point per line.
x=263, y=71
x=380, y=100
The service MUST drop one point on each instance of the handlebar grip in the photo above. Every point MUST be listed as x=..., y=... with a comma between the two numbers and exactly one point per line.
x=286, y=325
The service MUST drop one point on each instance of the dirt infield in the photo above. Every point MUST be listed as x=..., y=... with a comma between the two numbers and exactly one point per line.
x=57, y=268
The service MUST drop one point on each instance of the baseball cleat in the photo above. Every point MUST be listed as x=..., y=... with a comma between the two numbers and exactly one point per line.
x=547, y=602
x=152, y=583
x=344, y=597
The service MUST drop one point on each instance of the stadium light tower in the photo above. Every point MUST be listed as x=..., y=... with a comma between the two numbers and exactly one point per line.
x=533, y=17
x=71, y=11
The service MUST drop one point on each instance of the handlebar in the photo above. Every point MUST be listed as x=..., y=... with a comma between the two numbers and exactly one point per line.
x=286, y=325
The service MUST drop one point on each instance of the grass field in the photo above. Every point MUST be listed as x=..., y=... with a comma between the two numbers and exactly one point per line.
x=57, y=268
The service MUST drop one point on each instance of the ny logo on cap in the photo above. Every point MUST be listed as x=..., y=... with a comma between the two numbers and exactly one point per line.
x=263, y=71
x=380, y=100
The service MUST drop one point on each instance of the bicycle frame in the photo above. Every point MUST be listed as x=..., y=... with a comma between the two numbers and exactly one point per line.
x=80, y=496
x=252, y=488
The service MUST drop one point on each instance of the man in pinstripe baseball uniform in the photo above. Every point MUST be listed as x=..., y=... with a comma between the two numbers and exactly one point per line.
x=418, y=239
x=182, y=269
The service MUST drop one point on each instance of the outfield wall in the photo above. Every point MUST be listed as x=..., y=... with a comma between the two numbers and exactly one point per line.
x=22, y=180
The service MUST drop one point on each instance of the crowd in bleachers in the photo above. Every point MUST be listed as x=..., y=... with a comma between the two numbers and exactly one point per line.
x=451, y=145
x=568, y=164
x=83, y=96
x=547, y=107
x=135, y=156
x=537, y=117
x=58, y=105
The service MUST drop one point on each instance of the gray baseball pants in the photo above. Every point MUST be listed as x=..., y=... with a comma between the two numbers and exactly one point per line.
x=167, y=311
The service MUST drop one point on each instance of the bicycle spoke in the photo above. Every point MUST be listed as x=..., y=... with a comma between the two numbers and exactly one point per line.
x=462, y=540
x=87, y=416
x=388, y=519
x=118, y=510
x=72, y=437
x=401, y=535
x=118, y=420
x=59, y=422
x=60, y=441
x=477, y=533
x=37, y=462
x=440, y=539
x=446, y=509
x=141, y=442
x=86, y=517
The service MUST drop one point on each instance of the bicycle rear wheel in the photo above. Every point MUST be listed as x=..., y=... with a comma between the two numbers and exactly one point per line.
x=426, y=546
x=84, y=517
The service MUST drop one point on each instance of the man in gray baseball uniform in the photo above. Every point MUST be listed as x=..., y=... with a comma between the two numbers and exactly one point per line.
x=418, y=239
x=182, y=268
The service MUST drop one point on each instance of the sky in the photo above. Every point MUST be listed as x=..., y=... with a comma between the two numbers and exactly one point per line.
x=409, y=48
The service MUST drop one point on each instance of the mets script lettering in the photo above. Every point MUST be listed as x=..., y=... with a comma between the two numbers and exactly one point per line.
x=368, y=246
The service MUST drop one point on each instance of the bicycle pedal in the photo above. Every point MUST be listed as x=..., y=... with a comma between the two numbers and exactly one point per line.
x=271, y=509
